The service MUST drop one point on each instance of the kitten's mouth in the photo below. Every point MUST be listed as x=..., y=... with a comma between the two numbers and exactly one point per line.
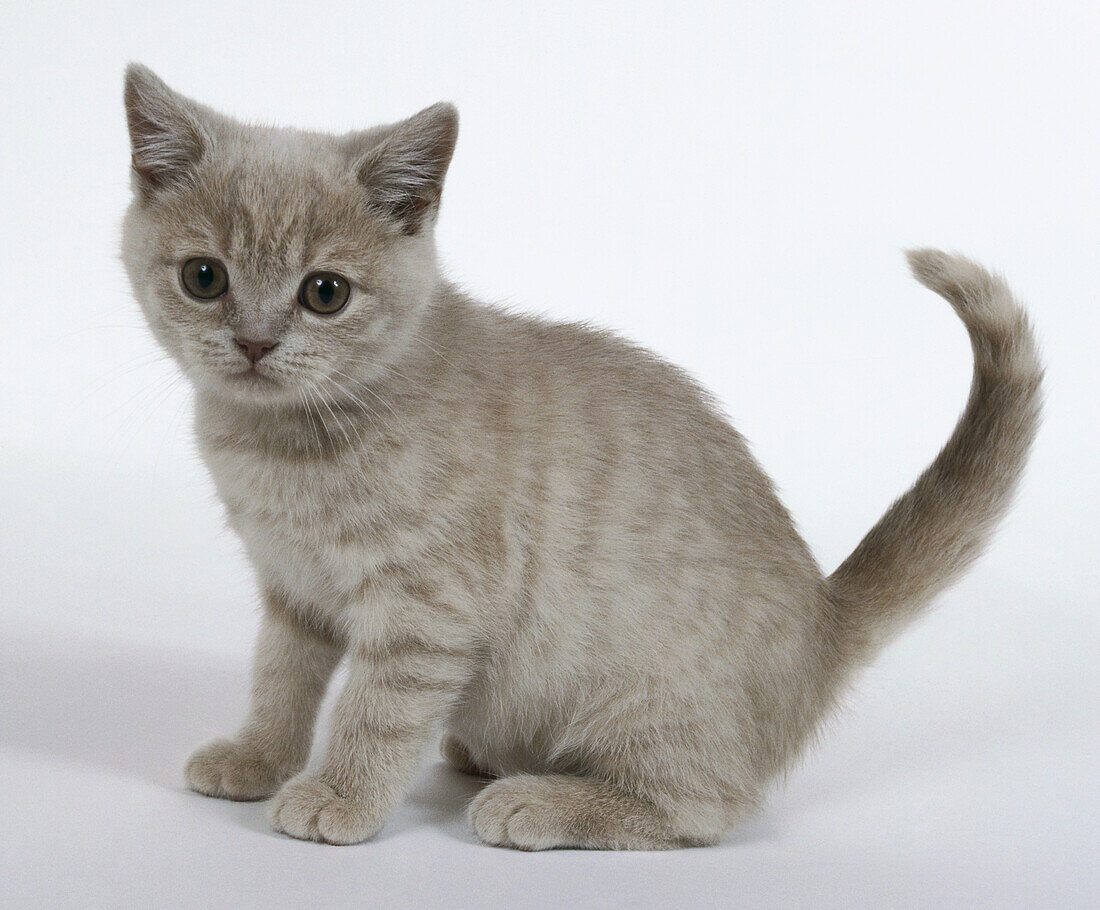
x=252, y=376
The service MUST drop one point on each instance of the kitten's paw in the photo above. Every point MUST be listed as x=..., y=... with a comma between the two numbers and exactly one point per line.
x=230, y=770
x=540, y=812
x=516, y=812
x=310, y=809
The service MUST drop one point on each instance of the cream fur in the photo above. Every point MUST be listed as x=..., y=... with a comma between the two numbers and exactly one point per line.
x=540, y=537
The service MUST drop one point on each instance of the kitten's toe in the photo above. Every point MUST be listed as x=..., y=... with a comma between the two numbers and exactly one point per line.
x=230, y=770
x=310, y=809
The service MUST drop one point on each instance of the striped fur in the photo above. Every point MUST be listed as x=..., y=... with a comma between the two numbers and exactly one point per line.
x=539, y=537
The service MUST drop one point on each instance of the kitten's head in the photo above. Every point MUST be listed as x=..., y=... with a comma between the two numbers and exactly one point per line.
x=275, y=264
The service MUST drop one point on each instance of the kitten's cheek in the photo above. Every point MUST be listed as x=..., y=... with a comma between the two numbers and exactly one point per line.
x=309, y=809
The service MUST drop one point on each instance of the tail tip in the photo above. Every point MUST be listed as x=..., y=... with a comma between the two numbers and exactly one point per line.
x=926, y=259
x=950, y=274
x=977, y=294
x=986, y=306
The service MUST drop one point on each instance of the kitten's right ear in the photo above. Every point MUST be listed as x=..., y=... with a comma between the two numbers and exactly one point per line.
x=167, y=134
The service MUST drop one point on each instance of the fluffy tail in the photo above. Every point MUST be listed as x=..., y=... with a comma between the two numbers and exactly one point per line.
x=932, y=533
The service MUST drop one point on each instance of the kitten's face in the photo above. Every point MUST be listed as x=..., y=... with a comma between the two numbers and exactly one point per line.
x=278, y=265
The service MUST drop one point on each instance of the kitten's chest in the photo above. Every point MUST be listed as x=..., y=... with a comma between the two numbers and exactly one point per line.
x=314, y=528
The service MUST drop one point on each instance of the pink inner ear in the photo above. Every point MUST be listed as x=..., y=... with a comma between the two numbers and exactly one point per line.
x=404, y=173
x=167, y=137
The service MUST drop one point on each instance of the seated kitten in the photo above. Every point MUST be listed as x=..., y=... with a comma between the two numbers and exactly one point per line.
x=539, y=536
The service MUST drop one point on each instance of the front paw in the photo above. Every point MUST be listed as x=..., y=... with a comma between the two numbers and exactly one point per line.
x=310, y=809
x=230, y=770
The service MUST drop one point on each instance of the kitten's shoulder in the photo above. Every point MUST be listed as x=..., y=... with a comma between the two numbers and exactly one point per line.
x=464, y=319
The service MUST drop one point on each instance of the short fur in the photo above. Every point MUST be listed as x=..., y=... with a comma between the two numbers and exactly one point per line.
x=538, y=535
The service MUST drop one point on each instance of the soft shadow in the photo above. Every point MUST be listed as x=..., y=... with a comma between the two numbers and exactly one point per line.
x=131, y=709
x=139, y=711
x=885, y=747
x=438, y=799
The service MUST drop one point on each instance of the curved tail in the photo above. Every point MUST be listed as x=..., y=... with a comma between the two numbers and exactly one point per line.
x=932, y=533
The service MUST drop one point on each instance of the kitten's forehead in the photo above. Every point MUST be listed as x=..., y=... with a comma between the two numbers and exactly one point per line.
x=273, y=200
x=272, y=215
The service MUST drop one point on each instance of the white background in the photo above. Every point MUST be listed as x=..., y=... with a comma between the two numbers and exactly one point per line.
x=729, y=183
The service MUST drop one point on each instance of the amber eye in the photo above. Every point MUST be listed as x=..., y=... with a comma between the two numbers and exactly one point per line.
x=324, y=292
x=204, y=278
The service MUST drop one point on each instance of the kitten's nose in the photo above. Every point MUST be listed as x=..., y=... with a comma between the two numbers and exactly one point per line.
x=255, y=349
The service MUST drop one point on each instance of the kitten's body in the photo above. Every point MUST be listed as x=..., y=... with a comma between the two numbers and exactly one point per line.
x=617, y=595
x=537, y=534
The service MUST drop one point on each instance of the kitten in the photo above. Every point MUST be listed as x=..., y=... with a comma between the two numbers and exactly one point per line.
x=539, y=536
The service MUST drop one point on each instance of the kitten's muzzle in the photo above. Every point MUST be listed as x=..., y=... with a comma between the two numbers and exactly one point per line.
x=255, y=349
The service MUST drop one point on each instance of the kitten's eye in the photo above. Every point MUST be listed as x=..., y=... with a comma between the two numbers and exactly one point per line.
x=324, y=292
x=204, y=278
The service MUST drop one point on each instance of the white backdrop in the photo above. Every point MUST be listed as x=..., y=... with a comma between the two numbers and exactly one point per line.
x=729, y=183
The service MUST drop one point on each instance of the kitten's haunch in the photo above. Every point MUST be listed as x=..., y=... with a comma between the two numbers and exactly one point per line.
x=537, y=536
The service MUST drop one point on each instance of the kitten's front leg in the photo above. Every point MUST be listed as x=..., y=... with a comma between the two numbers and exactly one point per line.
x=292, y=668
x=399, y=685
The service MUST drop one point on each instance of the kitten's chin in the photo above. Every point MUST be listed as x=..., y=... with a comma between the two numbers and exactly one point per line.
x=253, y=379
x=250, y=387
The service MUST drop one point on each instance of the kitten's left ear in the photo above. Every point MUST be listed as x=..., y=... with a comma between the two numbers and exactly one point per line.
x=168, y=135
x=403, y=174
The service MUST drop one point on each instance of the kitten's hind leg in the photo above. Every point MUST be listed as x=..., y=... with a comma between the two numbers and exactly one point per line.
x=458, y=757
x=540, y=812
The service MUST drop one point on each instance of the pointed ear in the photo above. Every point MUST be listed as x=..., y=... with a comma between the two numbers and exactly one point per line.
x=403, y=173
x=168, y=136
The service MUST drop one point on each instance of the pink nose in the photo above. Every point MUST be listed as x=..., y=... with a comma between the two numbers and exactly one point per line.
x=254, y=350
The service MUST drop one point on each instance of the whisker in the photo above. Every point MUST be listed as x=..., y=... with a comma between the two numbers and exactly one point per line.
x=373, y=394
x=336, y=420
x=362, y=405
x=302, y=392
x=322, y=426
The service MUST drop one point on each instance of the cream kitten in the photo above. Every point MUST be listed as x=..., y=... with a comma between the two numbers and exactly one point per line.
x=539, y=536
